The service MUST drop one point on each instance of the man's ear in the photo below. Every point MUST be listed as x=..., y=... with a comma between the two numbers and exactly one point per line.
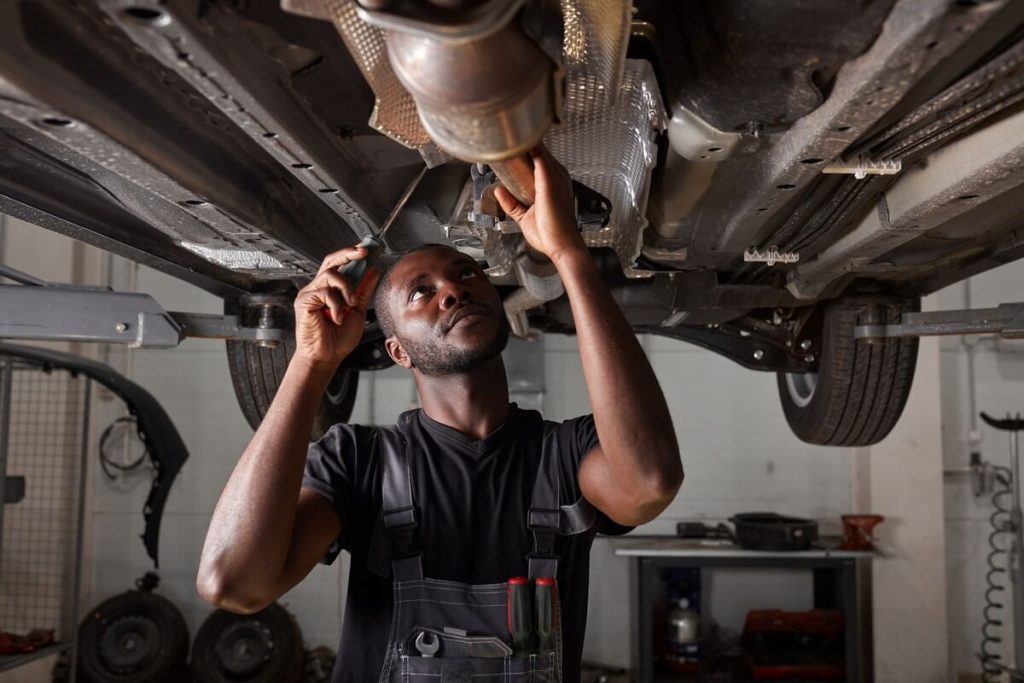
x=397, y=353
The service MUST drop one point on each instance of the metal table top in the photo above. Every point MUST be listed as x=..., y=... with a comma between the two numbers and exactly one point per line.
x=670, y=546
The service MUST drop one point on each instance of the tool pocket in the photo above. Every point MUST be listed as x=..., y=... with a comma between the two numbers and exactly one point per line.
x=509, y=669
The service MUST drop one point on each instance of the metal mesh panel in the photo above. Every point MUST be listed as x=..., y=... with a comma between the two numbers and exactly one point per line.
x=594, y=45
x=593, y=51
x=38, y=546
x=394, y=111
x=611, y=149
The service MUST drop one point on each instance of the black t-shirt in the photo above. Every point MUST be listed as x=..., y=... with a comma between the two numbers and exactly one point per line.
x=473, y=497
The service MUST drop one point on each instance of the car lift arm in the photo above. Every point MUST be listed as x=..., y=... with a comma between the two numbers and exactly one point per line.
x=40, y=310
x=1006, y=320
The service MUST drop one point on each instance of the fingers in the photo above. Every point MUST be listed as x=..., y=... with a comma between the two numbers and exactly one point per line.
x=317, y=300
x=337, y=259
x=338, y=281
x=509, y=204
x=546, y=167
x=365, y=292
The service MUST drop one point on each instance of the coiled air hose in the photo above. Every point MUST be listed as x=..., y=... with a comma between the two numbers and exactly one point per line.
x=995, y=586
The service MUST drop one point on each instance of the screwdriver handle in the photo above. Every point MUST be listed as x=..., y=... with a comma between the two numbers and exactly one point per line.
x=547, y=618
x=359, y=272
x=520, y=614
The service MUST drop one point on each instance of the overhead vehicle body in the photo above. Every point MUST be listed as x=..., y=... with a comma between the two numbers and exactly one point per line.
x=756, y=178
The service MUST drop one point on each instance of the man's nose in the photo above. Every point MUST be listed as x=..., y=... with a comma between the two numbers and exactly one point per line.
x=453, y=295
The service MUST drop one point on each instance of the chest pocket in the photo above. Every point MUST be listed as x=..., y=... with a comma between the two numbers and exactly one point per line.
x=452, y=632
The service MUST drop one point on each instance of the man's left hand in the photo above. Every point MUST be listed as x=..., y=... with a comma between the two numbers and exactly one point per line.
x=549, y=226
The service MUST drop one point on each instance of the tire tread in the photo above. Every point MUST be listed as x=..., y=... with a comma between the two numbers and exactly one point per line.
x=862, y=388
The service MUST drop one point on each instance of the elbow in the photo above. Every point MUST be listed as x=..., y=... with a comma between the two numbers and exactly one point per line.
x=671, y=479
x=224, y=594
x=660, y=486
x=651, y=495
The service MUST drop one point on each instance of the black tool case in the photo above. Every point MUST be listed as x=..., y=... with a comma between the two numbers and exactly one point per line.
x=772, y=531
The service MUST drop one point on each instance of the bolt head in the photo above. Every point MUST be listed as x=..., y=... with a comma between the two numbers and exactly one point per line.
x=805, y=345
x=744, y=333
x=809, y=358
x=758, y=354
x=121, y=327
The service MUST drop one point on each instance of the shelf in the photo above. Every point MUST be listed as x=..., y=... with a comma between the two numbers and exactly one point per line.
x=13, y=661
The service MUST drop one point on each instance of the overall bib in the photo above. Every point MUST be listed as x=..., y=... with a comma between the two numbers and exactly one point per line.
x=463, y=630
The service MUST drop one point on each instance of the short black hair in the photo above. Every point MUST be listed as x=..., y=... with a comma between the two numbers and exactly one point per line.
x=380, y=296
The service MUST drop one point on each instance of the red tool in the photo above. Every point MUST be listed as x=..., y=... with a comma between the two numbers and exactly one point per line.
x=520, y=614
x=547, y=613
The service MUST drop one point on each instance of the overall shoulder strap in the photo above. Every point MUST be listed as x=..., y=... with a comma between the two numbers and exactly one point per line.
x=399, y=513
x=547, y=519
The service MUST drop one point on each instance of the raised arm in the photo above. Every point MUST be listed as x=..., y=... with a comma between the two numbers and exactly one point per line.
x=267, y=533
x=636, y=471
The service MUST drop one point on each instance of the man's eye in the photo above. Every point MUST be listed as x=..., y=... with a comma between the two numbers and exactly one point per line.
x=468, y=272
x=418, y=293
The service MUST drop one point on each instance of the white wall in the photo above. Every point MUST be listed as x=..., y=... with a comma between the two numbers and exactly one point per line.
x=909, y=576
x=999, y=383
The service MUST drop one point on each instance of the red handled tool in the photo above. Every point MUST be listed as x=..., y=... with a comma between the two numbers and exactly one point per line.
x=547, y=613
x=520, y=614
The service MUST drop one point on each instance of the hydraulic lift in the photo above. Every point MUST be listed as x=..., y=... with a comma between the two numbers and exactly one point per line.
x=40, y=310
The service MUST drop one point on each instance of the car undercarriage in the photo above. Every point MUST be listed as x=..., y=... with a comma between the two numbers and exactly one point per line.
x=760, y=179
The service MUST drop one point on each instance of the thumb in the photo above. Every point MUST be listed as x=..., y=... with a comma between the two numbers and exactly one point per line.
x=509, y=204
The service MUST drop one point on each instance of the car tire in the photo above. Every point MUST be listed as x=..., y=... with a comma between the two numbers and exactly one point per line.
x=860, y=389
x=257, y=371
x=264, y=647
x=134, y=637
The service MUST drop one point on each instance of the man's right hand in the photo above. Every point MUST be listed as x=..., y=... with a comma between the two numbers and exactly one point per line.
x=329, y=319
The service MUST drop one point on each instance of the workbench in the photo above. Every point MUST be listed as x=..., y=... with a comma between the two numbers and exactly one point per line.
x=841, y=580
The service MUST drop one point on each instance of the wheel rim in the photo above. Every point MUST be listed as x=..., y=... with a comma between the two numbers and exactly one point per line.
x=244, y=648
x=801, y=386
x=129, y=643
x=338, y=389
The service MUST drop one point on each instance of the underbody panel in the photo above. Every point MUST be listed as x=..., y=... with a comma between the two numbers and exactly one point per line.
x=234, y=144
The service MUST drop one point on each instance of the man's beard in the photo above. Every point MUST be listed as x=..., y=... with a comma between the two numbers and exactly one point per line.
x=438, y=359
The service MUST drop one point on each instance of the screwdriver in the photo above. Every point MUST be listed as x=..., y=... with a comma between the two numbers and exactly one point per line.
x=520, y=614
x=362, y=271
x=546, y=614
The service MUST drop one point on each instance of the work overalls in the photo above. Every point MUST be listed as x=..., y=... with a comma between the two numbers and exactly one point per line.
x=462, y=629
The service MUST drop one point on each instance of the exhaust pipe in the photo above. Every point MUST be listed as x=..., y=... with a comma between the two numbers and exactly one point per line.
x=484, y=91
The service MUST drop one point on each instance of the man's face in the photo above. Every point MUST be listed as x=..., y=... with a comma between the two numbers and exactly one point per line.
x=447, y=316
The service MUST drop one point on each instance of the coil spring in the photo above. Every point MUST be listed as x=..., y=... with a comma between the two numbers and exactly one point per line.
x=991, y=658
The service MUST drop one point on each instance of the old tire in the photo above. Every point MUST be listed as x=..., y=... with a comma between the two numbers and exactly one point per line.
x=134, y=637
x=860, y=389
x=257, y=371
x=265, y=647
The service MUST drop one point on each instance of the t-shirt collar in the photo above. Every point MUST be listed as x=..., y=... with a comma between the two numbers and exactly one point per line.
x=443, y=431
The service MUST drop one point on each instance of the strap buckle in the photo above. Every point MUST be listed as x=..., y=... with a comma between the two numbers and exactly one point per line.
x=400, y=518
x=542, y=519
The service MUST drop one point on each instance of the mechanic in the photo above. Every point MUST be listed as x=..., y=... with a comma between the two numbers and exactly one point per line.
x=461, y=475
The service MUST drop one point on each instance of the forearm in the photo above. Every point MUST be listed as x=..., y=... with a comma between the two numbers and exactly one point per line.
x=630, y=412
x=251, y=530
